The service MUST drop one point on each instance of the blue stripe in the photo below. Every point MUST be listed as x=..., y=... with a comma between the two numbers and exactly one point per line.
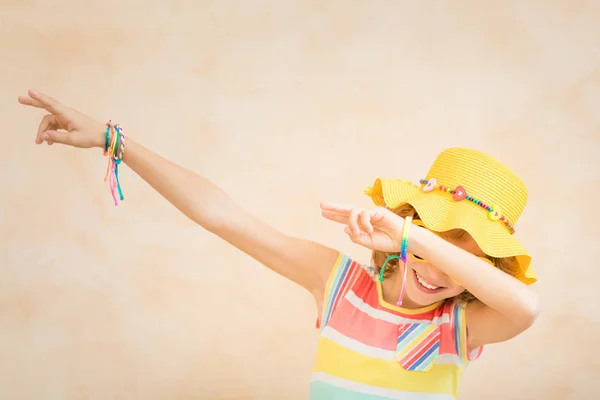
x=455, y=326
x=334, y=285
x=423, y=360
x=342, y=272
x=338, y=281
x=412, y=332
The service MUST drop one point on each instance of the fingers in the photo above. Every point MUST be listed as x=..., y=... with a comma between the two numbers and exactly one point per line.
x=338, y=208
x=41, y=100
x=47, y=123
x=49, y=103
x=364, y=221
x=28, y=101
x=353, y=220
x=342, y=213
x=52, y=137
x=361, y=238
x=358, y=219
x=379, y=213
x=374, y=228
x=334, y=216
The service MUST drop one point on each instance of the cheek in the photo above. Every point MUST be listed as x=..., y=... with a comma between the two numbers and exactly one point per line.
x=431, y=271
x=454, y=290
x=420, y=267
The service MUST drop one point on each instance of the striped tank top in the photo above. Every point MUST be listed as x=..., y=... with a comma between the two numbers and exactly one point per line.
x=369, y=349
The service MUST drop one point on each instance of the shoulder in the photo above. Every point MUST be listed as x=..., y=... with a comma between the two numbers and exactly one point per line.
x=346, y=274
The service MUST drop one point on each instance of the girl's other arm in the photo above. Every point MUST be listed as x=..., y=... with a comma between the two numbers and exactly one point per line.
x=303, y=262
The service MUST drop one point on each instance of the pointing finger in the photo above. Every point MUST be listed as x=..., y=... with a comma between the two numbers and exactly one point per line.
x=28, y=101
x=49, y=103
x=339, y=208
x=336, y=217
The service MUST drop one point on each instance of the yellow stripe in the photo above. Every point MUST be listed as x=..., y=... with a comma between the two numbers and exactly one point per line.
x=462, y=336
x=403, y=310
x=338, y=361
x=407, y=347
x=334, y=271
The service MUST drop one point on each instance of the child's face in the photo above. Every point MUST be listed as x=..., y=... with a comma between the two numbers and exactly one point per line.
x=427, y=284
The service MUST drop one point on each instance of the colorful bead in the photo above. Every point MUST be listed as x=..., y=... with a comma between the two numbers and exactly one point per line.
x=495, y=214
x=402, y=257
x=429, y=186
x=459, y=194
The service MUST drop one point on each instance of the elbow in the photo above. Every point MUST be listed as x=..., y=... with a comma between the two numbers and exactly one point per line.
x=530, y=311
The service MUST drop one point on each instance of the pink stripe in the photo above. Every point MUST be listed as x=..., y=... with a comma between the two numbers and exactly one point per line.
x=421, y=349
x=357, y=325
x=403, y=328
x=447, y=331
x=353, y=268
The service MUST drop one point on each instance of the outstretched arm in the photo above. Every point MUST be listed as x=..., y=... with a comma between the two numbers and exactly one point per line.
x=303, y=262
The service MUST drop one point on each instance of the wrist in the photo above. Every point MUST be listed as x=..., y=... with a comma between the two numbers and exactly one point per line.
x=417, y=236
x=100, y=136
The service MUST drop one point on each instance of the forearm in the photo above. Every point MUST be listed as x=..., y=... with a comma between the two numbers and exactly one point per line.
x=195, y=196
x=496, y=289
x=301, y=261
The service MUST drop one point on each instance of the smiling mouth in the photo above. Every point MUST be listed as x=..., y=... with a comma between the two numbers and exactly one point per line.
x=426, y=284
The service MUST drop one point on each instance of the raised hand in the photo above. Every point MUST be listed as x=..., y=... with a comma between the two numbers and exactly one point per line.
x=63, y=124
x=376, y=228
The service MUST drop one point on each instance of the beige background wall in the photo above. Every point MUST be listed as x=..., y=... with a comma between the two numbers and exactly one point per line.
x=284, y=104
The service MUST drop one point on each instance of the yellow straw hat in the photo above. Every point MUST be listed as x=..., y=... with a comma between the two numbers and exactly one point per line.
x=470, y=190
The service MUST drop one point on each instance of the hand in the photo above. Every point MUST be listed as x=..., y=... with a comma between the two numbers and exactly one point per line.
x=375, y=229
x=63, y=124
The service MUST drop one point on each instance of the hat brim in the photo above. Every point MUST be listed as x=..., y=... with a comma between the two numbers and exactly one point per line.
x=439, y=212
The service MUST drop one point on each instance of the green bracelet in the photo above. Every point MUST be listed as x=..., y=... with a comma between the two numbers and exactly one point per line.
x=107, y=138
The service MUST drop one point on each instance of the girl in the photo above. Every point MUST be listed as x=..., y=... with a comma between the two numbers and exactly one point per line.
x=447, y=277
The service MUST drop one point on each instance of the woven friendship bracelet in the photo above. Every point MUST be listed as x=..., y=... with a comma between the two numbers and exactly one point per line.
x=114, y=148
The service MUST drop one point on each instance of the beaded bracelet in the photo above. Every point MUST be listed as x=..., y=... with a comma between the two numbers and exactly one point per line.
x=403, y=250
x=114, y=148
x=402, y=257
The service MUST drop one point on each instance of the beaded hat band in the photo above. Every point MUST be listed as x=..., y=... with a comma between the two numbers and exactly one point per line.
x=459, y=193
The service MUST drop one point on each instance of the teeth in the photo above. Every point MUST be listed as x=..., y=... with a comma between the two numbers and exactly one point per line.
x=426, y=284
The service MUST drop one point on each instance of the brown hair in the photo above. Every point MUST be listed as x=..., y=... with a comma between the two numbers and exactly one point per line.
x=508, y=265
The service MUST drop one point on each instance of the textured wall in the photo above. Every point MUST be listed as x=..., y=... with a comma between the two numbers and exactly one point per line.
x=284, y=104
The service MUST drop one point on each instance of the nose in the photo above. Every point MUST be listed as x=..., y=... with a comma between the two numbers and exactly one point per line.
x=435, y=273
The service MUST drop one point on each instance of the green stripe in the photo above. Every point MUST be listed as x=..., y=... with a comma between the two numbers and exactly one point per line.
x=324, y=391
